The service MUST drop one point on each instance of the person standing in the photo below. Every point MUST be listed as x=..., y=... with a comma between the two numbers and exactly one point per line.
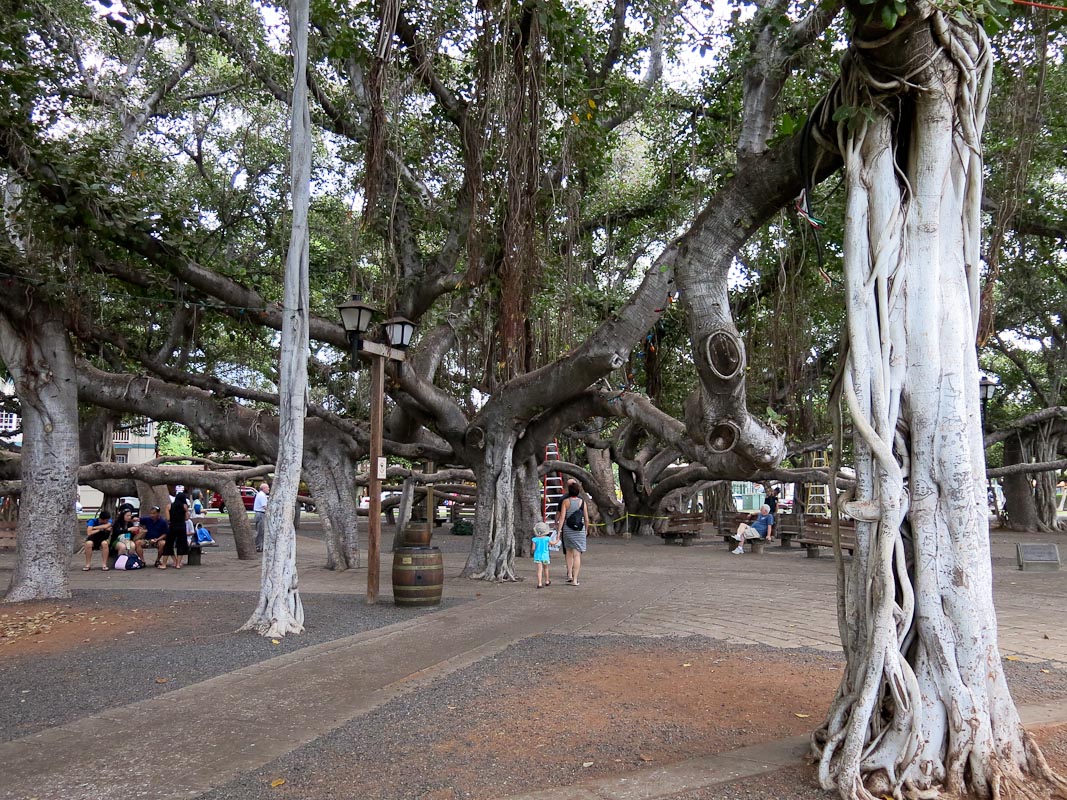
x=541, y=543
x=572, y=523
x=771, y=500
x=259, y=508
x=177, y=544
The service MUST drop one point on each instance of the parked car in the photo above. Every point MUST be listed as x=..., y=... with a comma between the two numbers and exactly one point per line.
x=248, y=497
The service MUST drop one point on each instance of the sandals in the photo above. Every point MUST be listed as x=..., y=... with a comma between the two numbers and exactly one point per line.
x=105, y=568
x=161, y=566
x=86, y=569
x=548, y=583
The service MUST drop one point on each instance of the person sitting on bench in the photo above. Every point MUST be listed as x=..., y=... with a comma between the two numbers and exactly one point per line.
x=153, y=532
x=761, y=528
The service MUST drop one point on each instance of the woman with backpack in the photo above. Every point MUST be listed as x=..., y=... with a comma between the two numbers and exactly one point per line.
x=572, y=523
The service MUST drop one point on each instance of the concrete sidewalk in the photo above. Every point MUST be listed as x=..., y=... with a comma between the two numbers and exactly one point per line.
x=221, y=728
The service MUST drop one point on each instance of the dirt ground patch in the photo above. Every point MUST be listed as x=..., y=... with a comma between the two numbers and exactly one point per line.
x=556, y=711
x=48, y=627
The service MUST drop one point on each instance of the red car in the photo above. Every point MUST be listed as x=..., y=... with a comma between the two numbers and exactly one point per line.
x=248, y=497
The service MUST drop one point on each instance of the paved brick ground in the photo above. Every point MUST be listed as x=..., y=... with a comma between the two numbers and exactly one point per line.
x=781, y=598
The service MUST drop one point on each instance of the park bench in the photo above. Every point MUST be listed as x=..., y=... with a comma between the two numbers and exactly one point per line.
x=682, y=528
x=788, y=527
x=7, y=535
x=816, y=536
x=728, y=525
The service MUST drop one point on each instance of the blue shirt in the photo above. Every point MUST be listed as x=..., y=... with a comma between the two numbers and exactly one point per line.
x=540, y=544
x=154, y=528
x=762, y=524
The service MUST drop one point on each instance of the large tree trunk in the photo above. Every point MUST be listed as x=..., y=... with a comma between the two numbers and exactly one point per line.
x=528, y=508
x=330, y=477
x=1045, y=446
x=1019, y=506
x=279, y=610
x=924, y=704
x=244, y=538
x=492, y=555
x=36, y=350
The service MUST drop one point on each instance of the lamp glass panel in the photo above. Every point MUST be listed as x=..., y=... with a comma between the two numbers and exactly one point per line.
x=355, y=316
x=399, y=331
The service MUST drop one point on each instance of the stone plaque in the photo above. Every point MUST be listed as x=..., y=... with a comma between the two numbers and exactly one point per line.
x=1038, y=557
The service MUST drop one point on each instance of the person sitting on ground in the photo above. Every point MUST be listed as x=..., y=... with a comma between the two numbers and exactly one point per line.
x=761, y=528
x=153, y=532
x=97, y=535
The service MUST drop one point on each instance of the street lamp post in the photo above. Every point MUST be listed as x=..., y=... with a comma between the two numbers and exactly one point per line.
x=356, y=317
x=986, y=387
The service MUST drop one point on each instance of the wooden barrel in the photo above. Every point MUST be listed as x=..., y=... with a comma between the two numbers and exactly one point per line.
x=417, y=535
x=418, y=576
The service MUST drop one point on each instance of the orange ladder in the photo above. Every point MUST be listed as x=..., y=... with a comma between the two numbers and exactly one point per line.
x=551, y=486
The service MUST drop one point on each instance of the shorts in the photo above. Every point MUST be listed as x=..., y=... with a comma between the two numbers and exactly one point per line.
x=544, y=561
x=98, y=538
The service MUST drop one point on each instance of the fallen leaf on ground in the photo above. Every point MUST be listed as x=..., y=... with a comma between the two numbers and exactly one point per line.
x=587, y=763
x=687, y=665
x=1011, y=658
x=1047, y=671
x=1045, y=635
x=800, y=716
x=645, y=758
x=275, y=641
x=162, y=680
x=274, y=784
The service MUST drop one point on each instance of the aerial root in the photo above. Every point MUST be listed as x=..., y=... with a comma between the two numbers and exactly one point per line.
x=1056, y=782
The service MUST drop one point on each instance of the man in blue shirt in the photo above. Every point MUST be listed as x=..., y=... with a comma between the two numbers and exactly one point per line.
x=153, y=532
x=762, y=528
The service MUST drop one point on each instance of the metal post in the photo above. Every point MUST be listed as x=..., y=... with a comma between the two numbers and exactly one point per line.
x=374, y=484
x=431, y=505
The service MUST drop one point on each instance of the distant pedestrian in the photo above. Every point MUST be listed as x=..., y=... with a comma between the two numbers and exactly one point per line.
x=259, y=508
x=771, y=500
x=177, y=543
x=542, y=540
x=572, y=523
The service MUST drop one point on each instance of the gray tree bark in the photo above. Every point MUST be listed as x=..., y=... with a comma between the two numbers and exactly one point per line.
x=36, y=349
